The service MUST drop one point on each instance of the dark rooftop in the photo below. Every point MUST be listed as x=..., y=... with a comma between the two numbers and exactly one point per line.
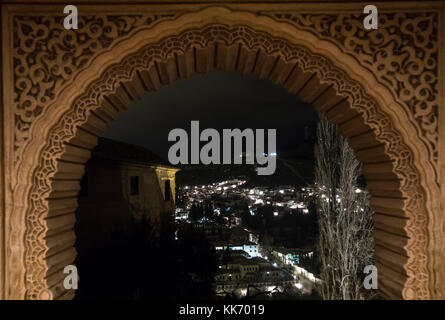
x=121, y=151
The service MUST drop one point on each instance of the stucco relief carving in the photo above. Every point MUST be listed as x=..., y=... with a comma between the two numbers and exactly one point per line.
x=402, y=53
x=160, y=51
x=46, y=56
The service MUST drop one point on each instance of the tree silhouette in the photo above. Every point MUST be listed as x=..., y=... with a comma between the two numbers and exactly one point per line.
x=346, y=243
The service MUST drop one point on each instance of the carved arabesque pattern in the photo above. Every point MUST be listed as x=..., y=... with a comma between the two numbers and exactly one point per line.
x=46, y=56
x=110, y=80
x=402, y=53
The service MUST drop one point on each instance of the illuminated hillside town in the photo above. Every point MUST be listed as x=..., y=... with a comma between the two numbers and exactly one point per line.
x=260, y=253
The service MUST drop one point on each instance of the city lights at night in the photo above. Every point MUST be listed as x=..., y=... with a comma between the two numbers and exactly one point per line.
x=210, y=158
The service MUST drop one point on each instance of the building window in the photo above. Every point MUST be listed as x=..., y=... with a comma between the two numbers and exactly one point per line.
x=167, y=190
x=134, y=185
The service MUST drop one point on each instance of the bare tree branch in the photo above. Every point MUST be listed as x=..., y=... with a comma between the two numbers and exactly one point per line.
x=346, y=243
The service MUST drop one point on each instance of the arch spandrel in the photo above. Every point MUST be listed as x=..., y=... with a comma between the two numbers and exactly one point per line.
x=54, y=120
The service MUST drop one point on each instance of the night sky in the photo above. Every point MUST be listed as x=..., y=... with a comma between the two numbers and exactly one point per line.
x=218, y=100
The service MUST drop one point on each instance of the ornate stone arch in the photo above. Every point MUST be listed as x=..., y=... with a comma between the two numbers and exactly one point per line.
x=103, y=81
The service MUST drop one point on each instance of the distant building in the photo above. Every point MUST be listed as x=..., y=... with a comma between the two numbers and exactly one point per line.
x=292, y=256
x=251, y=248
x=238, y=234
x=237, y=253
x=235, y=221
x=208, y=228
x=181, y=214
x=245, y=276
x=254, y=237
x=124, y=183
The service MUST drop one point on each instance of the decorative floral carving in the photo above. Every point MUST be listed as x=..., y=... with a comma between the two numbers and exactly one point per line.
x=402, y=53
x=46, y=56
x=108, y=82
